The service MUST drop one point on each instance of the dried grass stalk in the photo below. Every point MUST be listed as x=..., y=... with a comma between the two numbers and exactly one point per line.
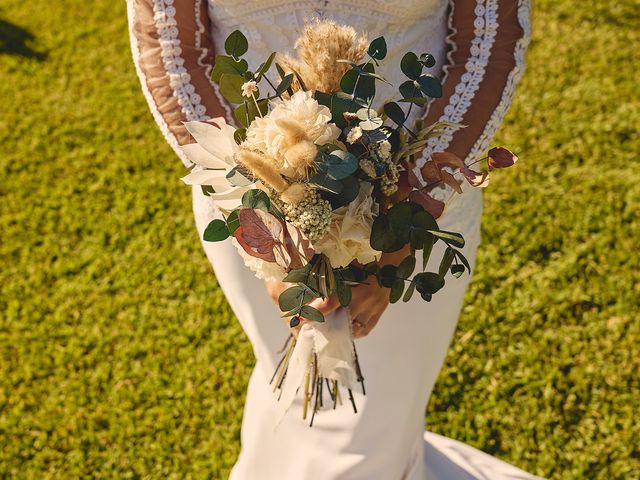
x=320, y=46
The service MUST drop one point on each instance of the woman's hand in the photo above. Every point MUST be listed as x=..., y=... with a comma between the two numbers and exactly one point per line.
x=370, y=300
x=326, y=306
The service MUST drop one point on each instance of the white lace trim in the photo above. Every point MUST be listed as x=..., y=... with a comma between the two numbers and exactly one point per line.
x=179, y=78
x=135, y=52
x=208, y=67
x=485, y=29
x=514, y=77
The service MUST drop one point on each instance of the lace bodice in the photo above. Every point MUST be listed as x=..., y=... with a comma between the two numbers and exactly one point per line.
x=274, y=25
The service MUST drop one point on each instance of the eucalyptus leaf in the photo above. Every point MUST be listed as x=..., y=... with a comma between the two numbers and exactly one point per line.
x=383, y=238
x=427, y=60
x=240, y=135
x=264, y=67
x=340, y=164
x=395, y=113
x=231, y=87
x=447, y=260
x=366, y=113
x=397, y=289
x=348, y=193
x=216, y=231
x=411, y=66
x=450, y=238
x=387, y=275
x=236, y=44
x=233, y=221
x=326, y=183
x=371, y=124
x=430, y=86
x=457, y=270
x=464, y=260
x=344, y=293
x=257, y=199
x=410, y=89
x=247, y=112
x=378, y=48
x=294, y=297
x=310, y=313
x=407, y=266
x=225, y=64
x=285, y=84
x=428, y=282
x=294, y=322
x=409, y=293
x=426, y=249
x=299, y=275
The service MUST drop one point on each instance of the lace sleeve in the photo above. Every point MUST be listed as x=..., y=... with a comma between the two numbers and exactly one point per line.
x=173, y=55
x=487, y=40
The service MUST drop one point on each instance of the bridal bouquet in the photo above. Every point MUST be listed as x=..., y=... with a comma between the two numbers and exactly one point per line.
x=315, y=184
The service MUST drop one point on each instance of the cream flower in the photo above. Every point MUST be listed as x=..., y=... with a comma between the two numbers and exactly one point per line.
x=268, y=271
x=349, y=231
x=249, y=88
x=265, y=135
x=213, y=153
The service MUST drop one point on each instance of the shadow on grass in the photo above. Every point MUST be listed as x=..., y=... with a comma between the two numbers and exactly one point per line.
x=15, y=40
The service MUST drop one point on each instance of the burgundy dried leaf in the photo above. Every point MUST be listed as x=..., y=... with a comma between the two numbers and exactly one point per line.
x=261, y=235
x=431, y=173
x=430, y=204
x=447, y=159
x=452, y=181
x=500, y=157
x=298, y=247
x=477, y=179
x=413, y=179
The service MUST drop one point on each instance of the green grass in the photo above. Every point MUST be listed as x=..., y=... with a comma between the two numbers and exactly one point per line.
x=119, y=357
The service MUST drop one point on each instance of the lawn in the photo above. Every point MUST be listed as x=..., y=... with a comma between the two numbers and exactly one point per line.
x=119, y=357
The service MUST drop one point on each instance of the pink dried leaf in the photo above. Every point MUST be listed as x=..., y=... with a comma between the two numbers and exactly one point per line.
x=476, y=179
x=500, y=157
x=447, y=159
x=452, y=181
x=261, y=235
x=298, y=247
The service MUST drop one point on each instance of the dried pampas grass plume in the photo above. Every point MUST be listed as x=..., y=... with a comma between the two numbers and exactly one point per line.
x=320, y=46
x=302, y=157
x=263, y=168
x=294, y=194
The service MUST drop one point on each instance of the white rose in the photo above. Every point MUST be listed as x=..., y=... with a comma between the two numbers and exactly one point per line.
x=350, y=231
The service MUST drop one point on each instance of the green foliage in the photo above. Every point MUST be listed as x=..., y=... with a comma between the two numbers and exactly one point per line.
x=236, y=44
x=216, y=231
x=120, y=357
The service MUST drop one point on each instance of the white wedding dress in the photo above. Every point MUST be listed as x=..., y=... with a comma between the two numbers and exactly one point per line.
x=402, y=356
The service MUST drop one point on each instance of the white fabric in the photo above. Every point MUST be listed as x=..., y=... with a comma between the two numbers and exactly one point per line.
x=402, y=356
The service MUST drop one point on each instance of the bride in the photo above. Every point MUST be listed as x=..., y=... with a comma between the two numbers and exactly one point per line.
x=479, y=46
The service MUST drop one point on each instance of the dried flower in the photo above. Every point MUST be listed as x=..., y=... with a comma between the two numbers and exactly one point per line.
x=249, y=88
x=368, y=167
x=320, y=46
x=349, y=234
x=286, y=124
x=311, y=215
x=354, y=135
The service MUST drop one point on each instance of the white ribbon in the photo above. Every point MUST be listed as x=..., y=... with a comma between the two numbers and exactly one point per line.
x=331, y=341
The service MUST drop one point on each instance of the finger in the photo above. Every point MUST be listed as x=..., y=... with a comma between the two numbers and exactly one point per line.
x=358, y=326
x=371, y=323
x=326, y=305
